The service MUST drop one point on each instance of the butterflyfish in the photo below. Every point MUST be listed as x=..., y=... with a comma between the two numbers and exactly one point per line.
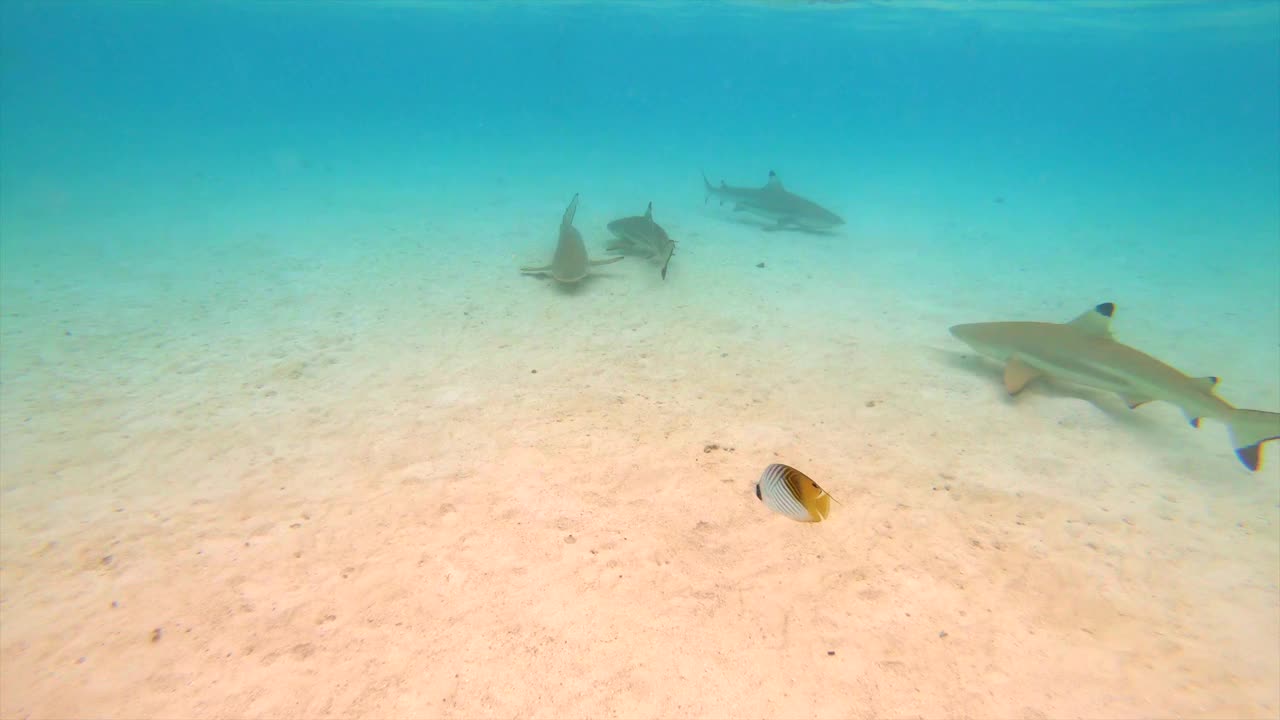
x=787, y=491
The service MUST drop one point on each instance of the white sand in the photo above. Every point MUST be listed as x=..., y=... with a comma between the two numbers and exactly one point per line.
x=330, y=484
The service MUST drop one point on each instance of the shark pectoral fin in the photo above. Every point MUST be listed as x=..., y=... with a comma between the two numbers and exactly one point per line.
x=1096, y=320
x=606, y=261
x=1017, y=374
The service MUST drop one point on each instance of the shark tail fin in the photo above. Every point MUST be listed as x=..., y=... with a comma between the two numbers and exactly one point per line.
x=1249, y=430
x=710, y=189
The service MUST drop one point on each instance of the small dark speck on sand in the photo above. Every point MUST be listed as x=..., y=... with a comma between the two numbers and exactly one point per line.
x=156, y=634
x=831, y=652
x=759, y=264
x=533, y=372
x=942, y=633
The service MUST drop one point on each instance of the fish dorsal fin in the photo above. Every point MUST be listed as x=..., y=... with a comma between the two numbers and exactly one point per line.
x=774, y=183
x=648, y=212
x=1095, y=321
x=570, y=211
x=810, y=494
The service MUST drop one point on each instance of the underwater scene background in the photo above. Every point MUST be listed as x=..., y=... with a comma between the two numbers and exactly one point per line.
x=285, y=431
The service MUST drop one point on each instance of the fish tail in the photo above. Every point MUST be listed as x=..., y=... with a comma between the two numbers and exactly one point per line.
x=1249, y=430
x=710, y=189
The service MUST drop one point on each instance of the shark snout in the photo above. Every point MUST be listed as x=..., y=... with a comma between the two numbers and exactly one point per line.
x=971, y=334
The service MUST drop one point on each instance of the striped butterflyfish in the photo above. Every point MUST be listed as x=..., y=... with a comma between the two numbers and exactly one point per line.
x=787, y=491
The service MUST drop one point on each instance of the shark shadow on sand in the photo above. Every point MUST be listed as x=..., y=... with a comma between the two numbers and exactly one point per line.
x=981, y=366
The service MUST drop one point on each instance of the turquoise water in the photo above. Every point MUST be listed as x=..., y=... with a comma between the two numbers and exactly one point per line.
x=261, y=259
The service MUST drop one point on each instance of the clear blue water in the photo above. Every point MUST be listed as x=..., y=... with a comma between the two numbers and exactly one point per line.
x=1166, y=112
x=1157, y=121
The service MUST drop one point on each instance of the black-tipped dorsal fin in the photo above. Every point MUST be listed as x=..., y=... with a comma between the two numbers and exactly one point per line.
x=1095, y=321
x=648, y=212
x=774, y=183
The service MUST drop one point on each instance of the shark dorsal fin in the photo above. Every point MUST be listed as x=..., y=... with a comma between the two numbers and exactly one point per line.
x=648, y=212
x=1096, y=321
x=569, y=212
x=774, y=183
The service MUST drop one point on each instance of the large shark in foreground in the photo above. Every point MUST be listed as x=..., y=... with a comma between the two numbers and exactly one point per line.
x=1083, y=351
x=776, y=203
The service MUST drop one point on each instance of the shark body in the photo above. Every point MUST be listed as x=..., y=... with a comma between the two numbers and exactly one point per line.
x=640, y=235
x=776, y=203
x=570, y=263
x=1084, y=352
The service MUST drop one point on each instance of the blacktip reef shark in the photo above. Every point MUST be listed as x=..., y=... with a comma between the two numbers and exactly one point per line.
x=640, y=235
x=570, y=262
x=776, y=203
x=1084, y=352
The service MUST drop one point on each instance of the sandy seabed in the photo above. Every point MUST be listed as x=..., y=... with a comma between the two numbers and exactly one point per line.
x=395, y=482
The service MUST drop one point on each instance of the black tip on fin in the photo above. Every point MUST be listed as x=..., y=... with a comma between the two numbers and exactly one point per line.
x=1106, y=309
x=1251, y=456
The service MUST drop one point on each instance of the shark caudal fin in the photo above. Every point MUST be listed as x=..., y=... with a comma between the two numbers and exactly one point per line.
x=1249, y=430
x=709, y=188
